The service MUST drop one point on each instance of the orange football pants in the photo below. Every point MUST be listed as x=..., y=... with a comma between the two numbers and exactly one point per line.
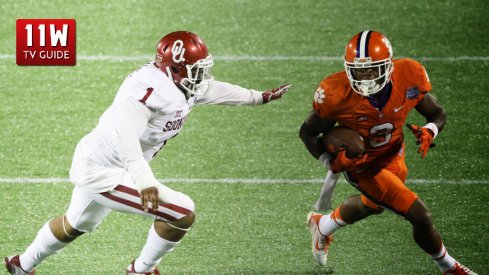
x=384, y=187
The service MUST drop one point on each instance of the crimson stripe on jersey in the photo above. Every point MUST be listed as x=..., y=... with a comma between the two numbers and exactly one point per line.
x=138, y=206
x=134, y=192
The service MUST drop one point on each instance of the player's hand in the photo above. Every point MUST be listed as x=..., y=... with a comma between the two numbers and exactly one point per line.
x=276, y=93
x=149, y=195
x=424, y=138
x=343, y=163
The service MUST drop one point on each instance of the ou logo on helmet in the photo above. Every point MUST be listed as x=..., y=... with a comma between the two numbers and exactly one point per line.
x=178, y=51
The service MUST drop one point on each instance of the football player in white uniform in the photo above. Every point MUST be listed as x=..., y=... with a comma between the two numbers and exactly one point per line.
x=110, y=167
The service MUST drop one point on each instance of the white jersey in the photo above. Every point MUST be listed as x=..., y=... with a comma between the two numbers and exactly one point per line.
x=147, y=111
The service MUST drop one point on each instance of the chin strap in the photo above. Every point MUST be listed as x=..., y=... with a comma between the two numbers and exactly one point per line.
x=168, y=73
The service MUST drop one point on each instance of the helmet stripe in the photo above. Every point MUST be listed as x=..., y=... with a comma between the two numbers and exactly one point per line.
x=362, y=45
x=358, y=44
x=367, y=42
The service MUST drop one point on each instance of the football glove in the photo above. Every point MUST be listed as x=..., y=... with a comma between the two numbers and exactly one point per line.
x=424, y=136
x=343, y=163
x=276, y=93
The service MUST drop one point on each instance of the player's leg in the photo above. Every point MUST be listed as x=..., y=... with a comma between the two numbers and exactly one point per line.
x=62, y=229
x=44, y=245
x=322, y=227
x=353, y=209
x=83, y=215
x=428, y=238
x=172, y=221
x=163, y=238
x=387, y=189
x=165, y=235
x=176, y=230
x=418, y=214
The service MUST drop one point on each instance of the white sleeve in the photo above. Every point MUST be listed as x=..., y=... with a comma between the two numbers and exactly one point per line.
x=228, y=94
x=132, y=122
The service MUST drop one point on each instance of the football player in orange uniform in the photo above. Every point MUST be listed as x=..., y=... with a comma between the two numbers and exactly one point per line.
x=373, y=96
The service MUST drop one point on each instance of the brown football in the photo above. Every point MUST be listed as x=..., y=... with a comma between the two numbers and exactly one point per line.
x=339, y=136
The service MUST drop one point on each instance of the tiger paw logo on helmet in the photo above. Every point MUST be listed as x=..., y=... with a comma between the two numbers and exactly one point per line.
x=319, y=95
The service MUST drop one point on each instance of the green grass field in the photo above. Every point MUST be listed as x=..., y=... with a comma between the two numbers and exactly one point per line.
x=247, y=228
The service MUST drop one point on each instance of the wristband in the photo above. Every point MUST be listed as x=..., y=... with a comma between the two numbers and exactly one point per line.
x=432, y=126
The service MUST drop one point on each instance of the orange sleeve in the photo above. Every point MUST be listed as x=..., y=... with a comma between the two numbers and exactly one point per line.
x=419, y=75
x=325, y=102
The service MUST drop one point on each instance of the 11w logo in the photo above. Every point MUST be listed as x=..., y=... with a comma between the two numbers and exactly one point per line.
x=56, y=35
x=46, y=42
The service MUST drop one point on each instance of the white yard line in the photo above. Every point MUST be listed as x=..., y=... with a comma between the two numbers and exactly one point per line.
x=253, y=58
x=244, y=181
x=257, y=58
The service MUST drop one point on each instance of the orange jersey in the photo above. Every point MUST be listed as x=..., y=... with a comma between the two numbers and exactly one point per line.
x=381, y=129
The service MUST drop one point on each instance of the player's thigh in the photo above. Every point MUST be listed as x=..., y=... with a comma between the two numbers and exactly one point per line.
x=125, y=198
x=398, y=166
x=385, y=189
x=84, y=213
x=90, y=175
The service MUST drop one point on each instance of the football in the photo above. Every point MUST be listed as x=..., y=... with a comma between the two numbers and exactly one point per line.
x=341, y=135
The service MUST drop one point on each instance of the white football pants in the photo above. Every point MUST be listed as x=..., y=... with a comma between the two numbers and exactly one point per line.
x=100, y=189
x=87, y=210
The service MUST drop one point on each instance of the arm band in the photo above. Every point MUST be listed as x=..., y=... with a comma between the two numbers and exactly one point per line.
x=432, y=126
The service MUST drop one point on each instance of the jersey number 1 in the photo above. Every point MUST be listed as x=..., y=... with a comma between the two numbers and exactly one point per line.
x=145, y=97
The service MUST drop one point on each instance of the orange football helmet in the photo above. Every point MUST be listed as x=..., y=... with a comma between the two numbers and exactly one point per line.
x=368, y=52
x=184, y=58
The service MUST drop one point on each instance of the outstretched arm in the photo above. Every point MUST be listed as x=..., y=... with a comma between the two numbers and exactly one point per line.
x=274, y=94
x=229, y=94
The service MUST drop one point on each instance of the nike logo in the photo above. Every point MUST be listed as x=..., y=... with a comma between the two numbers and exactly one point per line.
x=398, y=108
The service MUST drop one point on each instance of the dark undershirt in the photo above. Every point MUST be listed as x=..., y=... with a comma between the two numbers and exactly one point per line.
x=379, y=99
